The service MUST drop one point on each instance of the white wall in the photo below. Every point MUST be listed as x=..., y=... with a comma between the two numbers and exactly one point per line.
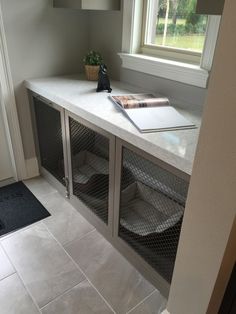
x=105, y=35
x=211, y=205
x=182, y=92
x=6, y=170
x=41, y=41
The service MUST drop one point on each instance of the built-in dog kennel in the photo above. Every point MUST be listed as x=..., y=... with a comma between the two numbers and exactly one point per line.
x=152, y=202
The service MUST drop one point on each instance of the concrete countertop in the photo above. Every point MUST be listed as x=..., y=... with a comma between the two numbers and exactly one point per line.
x=74, y=93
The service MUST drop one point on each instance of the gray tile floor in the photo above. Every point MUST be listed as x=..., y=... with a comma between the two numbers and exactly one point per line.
x=62, y=265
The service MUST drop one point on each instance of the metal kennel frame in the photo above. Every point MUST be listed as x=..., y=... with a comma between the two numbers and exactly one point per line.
x=125, y=248
x=104, y=228
x=61, y=185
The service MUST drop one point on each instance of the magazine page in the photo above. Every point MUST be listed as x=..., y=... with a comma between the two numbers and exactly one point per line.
x=140, y=101
x=150, y=114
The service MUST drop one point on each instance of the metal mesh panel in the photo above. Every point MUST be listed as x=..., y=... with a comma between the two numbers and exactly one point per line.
x=90, y=168
x=48, y=122
x=152, y=204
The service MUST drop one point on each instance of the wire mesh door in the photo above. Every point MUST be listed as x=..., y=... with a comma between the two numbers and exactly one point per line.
x=49, y=132
x=90, y=168
x=152, y=202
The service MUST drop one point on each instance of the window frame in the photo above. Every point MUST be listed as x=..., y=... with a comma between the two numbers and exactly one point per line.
x=164, y=64
x=177, y=54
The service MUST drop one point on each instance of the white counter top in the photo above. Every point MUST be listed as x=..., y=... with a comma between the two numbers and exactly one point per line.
x=77, y=95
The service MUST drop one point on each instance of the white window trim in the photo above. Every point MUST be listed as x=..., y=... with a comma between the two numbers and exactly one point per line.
x=150, y=20
x=165, y=68
x=210, y=42
x=168, y=69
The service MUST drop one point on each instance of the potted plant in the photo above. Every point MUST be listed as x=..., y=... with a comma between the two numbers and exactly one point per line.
x=92, y=62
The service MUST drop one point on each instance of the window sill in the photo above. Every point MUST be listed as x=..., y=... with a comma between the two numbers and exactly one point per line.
x=172, y=70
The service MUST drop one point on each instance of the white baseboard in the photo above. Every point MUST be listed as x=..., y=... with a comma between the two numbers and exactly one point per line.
x=32, y=168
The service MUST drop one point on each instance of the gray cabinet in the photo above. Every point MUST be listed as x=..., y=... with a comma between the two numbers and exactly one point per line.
x=149, y=208
x=210, y=7
x=135, y=200
x=88, y=4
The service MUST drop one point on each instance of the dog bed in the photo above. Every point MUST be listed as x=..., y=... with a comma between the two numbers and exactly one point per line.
x=145, y=210
x=90, y=174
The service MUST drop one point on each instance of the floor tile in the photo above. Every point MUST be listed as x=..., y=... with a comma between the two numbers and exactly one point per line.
x=119, y=283
x=66, y=224
x=82, y=299
x=6, y=268
x=14, y=298
x=39, y=187
x=154, y=304
x=43, y=265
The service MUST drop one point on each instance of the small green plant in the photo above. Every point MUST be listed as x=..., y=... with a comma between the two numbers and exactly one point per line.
x=93, y=58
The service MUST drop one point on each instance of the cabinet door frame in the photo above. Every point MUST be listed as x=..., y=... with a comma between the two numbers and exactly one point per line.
x=45, y=173
x=134, y=258
x=105, y=229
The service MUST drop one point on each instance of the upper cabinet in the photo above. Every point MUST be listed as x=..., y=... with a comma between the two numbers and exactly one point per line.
x=210, y=7
x=88, y=4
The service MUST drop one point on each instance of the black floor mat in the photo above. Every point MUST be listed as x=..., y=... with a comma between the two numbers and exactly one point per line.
x=19, y=208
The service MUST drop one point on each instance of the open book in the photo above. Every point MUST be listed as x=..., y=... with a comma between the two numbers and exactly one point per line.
x=149, y=113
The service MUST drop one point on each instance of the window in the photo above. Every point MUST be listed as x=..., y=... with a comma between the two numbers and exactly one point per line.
x=165, y=38
x=171, y=28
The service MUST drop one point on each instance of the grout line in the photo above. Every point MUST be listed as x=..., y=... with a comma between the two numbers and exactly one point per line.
x=8, y=276
x=65, y=292
x=41, y=195
x=9, y=260
x=13, y=266
x=30, y=187
x=77, y=266
x=141, y=302
x=22, y=281
x=77, y=239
